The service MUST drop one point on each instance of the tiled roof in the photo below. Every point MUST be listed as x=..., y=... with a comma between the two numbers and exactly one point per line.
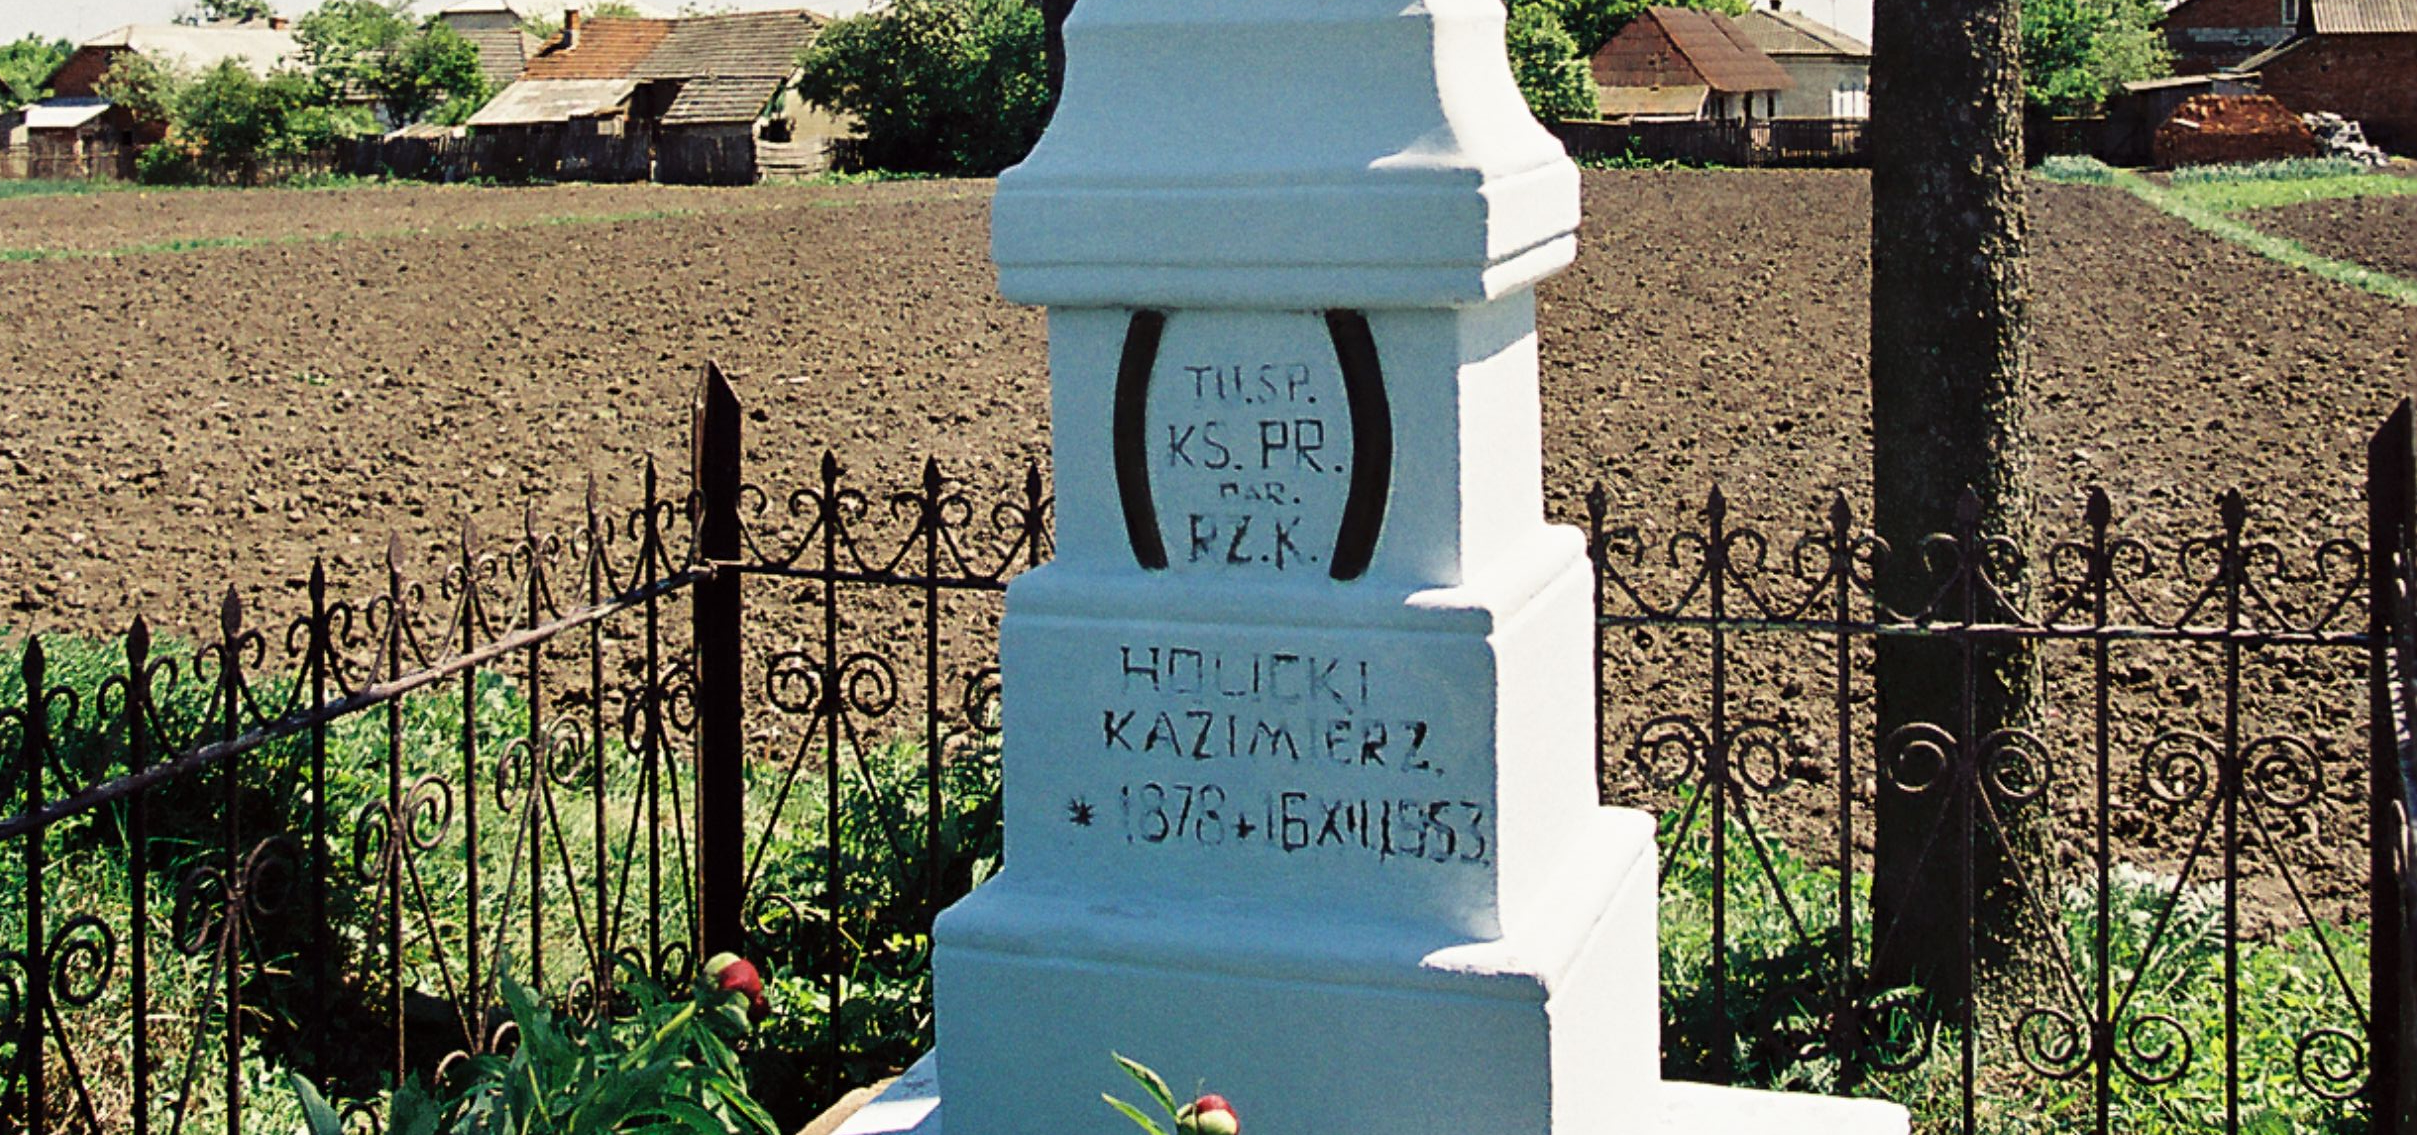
x=1724, y=56
x=1790, y=33
x=607, y=48
x=502, y=53
x=2363, y=17
x=738, y=99
x=749, y=43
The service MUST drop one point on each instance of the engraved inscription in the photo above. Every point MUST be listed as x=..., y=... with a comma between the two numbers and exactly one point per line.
x=1250, y=436
x=1276, y=750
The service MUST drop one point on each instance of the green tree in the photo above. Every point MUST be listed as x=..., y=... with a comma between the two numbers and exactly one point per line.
x=345, y=42
x=25, y=66
x=433, y=73
x=2077, y=52
x=1557, y=81
x=215, y=11
x=940, y=86
x=147, y=88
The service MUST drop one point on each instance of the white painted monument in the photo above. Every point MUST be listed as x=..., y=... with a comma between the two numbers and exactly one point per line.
x=1300, y=793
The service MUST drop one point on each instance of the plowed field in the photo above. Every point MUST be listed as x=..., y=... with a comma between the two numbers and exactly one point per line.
x=173, y=421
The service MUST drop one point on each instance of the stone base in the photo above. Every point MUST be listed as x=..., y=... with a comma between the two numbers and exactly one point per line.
x=1312, y=1027
x=911, y=1106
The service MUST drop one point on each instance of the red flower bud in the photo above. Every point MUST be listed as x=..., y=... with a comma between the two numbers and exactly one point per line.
x=1208, y=1115
x=734, y=974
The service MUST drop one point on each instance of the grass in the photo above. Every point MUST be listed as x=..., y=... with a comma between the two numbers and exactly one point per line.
x=2210, y=198
x=75, y=187
x=1778, y=997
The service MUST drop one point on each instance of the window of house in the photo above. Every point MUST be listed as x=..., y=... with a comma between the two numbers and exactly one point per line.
x=2291, y=13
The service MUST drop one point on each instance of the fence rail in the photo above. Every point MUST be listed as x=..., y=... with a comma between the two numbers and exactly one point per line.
x=318, y=843
x=1838, y=142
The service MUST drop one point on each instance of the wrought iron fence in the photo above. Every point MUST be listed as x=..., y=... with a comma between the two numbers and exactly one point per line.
x=741, y=716
x=2188, y=933
x=318, y=843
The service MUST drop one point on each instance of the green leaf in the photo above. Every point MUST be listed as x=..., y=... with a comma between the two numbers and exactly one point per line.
x=1149, y=1081
x=1134, y=1114
x=316, y=1115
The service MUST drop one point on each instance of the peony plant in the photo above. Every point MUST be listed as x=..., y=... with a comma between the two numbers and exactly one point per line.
x=1209, y=1114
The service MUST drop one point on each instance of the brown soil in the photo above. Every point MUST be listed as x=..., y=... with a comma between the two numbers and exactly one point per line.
x=134, y=219
x=2378, y=232
x=175, y=420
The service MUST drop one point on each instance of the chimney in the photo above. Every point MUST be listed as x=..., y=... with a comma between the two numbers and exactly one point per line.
x=279, y=23
x=570, y=28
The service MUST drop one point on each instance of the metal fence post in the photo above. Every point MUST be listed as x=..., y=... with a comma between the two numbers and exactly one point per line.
x=721, y=788
x=2391, y=496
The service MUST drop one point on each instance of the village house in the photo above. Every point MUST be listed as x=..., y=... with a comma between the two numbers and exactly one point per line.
x=1830, y=70
x=1674, y=63
x=704, y=92
x=2355, y=58
x=77, y=131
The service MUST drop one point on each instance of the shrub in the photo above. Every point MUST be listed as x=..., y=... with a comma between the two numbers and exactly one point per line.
x=938, y=86
x=1556, y=81
x=170, y=162
x=2068, y=169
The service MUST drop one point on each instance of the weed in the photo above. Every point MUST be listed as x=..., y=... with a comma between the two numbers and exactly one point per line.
x=2070, y=169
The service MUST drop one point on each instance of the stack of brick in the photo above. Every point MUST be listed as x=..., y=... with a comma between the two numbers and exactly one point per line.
x=2221, y=129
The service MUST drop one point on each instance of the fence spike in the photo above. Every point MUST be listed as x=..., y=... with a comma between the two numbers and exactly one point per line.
x=138, y=642
x=32, y=665
x=230, y=616
x=1842, y=514
x=2100, y=511
x=2235, y=509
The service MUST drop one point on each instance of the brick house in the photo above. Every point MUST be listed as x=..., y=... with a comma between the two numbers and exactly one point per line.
x=2217, y=35
x=260, y=47
x=2355, y=58
x=1676, y=63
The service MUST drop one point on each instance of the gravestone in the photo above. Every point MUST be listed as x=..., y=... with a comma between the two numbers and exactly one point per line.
x=1298, y=725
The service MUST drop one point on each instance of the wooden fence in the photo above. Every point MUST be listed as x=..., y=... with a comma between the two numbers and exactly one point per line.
x=1766, y=142
x=729, y=157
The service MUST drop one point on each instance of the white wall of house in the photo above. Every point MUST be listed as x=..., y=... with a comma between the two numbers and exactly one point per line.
x=1827, y=86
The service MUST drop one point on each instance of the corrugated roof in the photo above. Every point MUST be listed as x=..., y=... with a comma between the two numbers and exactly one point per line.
x=532, y=101
x=1726, y=58
x=607, y=48
x=739, y=99
x=1651, y=102
x=1672, y=47
x=1790, y=33
x=258, y=47
x=749, y=43
x=2364, y=17
x=64, y=113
